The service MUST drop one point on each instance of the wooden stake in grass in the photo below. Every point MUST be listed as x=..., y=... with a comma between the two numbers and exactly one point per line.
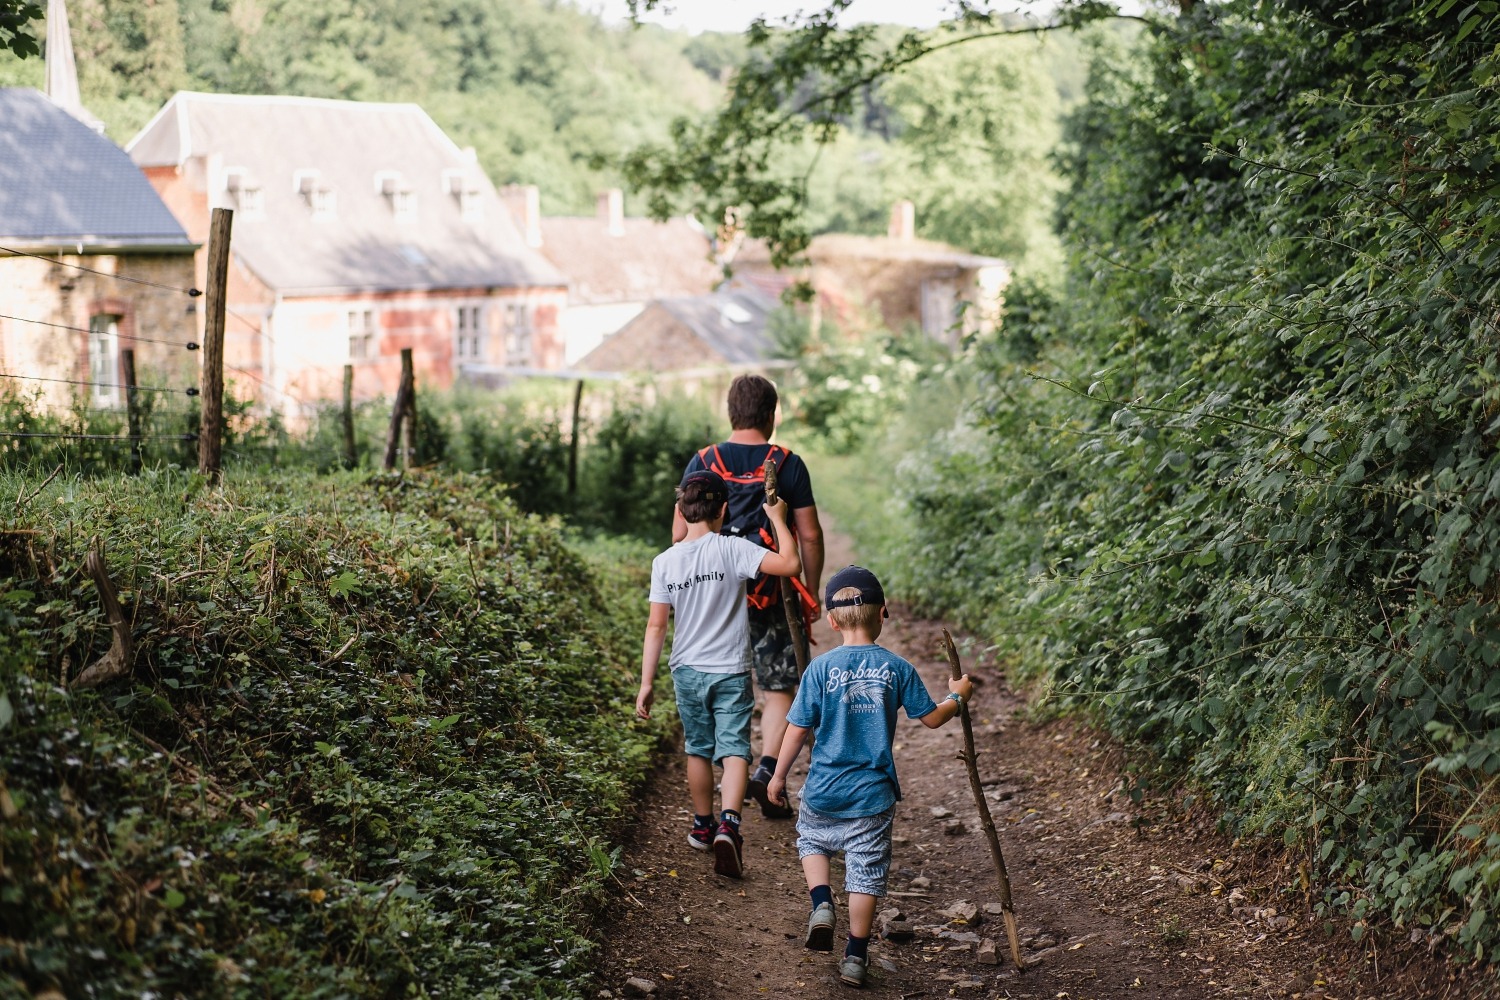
x=1007, y=910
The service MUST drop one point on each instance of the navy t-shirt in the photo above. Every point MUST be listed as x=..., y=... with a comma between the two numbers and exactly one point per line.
x=849, y=698
x=793, y=484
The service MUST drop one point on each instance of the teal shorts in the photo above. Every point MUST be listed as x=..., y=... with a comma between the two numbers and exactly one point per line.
x=715, y=713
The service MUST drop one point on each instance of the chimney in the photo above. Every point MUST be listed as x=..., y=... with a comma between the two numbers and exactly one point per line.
x=612, y=210
x=525, y=204
x=903, y=221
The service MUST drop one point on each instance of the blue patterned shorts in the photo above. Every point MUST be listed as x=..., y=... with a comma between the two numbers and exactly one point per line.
x=865, y=841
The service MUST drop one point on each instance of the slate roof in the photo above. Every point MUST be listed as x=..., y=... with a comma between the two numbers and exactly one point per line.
x=732, y=321
x=63, y=185
x=279, y=144
x=648, y=260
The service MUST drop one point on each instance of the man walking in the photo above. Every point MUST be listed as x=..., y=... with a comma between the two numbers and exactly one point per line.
x=741, y=461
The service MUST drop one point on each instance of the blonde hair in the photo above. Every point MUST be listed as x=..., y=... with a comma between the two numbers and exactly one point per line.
x=862, y=616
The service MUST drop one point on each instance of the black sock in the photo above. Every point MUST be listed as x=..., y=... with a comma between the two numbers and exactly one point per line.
x=702, y=821
x=731, y=817
x=769, y=763
x=858, y=947
x=821, y=894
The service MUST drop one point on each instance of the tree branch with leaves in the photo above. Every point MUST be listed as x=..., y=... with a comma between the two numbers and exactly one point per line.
x=803, y=82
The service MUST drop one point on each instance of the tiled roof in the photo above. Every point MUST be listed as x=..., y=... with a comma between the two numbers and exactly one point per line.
x=361, y=161
x=732, y=321
x=647, y=260
x=64, y=185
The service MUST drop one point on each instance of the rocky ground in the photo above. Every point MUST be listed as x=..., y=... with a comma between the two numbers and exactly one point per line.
x=1114, y=898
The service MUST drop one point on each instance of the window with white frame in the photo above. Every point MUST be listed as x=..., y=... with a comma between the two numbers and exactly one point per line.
x=517, y=333
x=469, y=334
x=361, y=334
x=104, y=360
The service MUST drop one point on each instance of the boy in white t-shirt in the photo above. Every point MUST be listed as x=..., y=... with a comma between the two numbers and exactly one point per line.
x=701, y=581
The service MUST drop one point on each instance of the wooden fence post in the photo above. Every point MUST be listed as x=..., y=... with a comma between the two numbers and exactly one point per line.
x=132, y=409
x=409, y=376
x=401, y=410
x=573, y=441
x=349, y=456
x=211, y=431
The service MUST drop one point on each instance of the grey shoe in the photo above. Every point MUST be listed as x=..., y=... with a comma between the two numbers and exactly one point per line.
x=852, y=970
x=820, y=928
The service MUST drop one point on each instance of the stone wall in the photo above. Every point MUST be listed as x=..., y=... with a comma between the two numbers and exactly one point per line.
x=54, y=293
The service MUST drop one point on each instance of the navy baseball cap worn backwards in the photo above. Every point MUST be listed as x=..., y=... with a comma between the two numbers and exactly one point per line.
x=861, y=579
x=711, y=485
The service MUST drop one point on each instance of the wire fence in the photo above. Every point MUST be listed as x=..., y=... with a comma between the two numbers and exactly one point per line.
x=190, y=292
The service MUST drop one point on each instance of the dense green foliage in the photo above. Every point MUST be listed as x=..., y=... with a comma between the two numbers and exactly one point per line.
x=1249, y=516
x=372, y=743
x=960, y=120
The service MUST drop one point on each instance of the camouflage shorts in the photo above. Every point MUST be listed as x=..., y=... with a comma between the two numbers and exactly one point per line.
x=771, y=646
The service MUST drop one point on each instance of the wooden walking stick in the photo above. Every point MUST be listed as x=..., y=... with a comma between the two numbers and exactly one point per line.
x=790, y=600
x=1007, y=910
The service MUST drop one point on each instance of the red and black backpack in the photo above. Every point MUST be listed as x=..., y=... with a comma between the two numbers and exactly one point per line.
x=746, y=517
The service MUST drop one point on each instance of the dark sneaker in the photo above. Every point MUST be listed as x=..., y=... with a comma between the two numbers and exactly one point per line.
x=729, y=858
x=757, y=791
x=820, y=928
x=701, y=837
x=852, y=970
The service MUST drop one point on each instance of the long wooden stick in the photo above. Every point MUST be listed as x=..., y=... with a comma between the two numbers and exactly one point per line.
x=790, y=600
x=1007, y=910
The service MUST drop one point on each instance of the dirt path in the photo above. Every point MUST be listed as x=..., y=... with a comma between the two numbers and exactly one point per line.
x=1115, y=899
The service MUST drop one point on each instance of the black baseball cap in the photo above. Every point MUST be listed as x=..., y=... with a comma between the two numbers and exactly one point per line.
x=870, y=591
x=710, y=486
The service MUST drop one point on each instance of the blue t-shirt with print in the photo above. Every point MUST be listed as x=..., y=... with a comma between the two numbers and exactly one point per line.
x=849, y=698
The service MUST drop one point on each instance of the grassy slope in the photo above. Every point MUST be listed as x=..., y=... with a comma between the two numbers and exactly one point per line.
x=373, y=742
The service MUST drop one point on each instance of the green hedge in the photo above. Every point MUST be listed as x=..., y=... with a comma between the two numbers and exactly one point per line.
x=374, y=742
x=1236, y=492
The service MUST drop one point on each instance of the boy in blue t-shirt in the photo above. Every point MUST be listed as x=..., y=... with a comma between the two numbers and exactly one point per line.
x=849, y=698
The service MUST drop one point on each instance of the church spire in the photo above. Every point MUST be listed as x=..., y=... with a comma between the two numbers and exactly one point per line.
x=62, y=71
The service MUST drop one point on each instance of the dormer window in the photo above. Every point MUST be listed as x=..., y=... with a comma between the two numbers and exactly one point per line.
x=245, y=192
x=397, y=191
x=460, y=184
x=318, y=193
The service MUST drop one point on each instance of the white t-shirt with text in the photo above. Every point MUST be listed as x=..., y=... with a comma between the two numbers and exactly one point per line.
x=704, y=582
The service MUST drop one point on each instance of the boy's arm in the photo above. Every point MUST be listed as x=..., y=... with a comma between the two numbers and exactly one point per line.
x=948, y=708
x=810, y=542
x=791, y=748
x=656, y=638
x=786, y=560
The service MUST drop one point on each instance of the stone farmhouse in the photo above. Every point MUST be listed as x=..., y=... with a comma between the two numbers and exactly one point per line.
x=897, y=281
x=91, y=263
x=359, y=229
x=615, y=264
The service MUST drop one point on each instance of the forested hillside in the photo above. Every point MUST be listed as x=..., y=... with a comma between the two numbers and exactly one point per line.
x=541, y=90
x=548, y=94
